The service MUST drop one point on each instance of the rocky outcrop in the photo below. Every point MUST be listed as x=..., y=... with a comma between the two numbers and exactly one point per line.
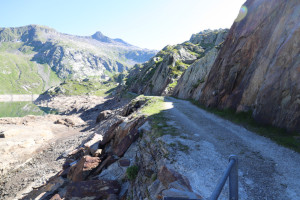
x=161, y=74
x=81, y=170
x=93, y=190
x=258, y=66
x=124, y=159
x=190, y=83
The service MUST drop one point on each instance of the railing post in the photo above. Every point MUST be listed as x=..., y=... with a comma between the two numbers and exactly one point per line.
x=233, y=179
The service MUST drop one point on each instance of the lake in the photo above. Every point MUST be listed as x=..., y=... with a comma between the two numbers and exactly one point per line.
x=23, y=108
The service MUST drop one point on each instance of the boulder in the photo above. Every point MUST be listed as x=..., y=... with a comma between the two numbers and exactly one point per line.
x=83, y=168
x=92, y=145
x=92, y=190
x=56, y=197
x=66, y=121
x=126, y=135
x=103, y=115
x=76, y=153
x=132, y=107
x=106, y=162
x=124, y=162
x=168, y=176
x=110, y=133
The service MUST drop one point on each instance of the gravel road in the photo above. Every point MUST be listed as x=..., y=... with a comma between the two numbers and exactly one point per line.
x=266, y=170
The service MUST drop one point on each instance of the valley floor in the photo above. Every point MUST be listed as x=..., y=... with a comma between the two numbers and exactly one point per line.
x=266, y=170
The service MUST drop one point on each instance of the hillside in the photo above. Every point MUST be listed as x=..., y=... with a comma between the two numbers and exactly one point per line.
x=161, y=74
x=255, y=70
x=33, y=58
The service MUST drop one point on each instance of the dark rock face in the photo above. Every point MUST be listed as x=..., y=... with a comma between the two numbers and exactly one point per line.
x=95, y=189
x=83, y=168
x=258, y=66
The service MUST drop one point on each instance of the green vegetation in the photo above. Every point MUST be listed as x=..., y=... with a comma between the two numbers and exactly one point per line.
x=153, y=106
x=21, y=109
x=160, y=59
x=128, y=95
x=83, y=87
x=160, y=126
x=149, y=74
x=279, y=135
x=181, y=147
x=19, y=75
x=132, y=172
x=153, y=177
x=178, y=69
x=173, y=85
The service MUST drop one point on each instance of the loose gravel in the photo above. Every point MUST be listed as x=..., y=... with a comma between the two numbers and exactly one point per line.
x=266, y=170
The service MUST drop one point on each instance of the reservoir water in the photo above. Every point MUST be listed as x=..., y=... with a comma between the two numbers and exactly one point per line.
x=23, y=108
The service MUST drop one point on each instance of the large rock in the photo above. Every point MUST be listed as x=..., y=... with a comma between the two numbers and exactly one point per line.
x=110, y=133
x=92, y=145
x=92, y=190
x=83, y=168
x=125, y=135
x=258, y=66
x=103, y=115
x=168, y=176
x=159, y=75
x=190, y=83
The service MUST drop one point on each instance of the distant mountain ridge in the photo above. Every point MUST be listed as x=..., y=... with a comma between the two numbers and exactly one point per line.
x=33, y=58
x=102, y=38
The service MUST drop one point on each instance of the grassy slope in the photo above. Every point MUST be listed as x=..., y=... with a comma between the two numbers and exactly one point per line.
x=75, y=87
x=19, y=109
x=18, y=74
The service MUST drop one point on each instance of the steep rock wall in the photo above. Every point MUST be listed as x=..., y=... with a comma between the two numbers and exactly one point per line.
x=169, y=71
x=258, y=66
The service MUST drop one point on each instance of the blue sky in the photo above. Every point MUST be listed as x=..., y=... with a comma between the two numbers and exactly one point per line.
x=150, y=24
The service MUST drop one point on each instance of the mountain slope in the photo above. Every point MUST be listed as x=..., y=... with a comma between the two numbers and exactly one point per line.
x=258, y=67
x=34, y=58
x=161, y=74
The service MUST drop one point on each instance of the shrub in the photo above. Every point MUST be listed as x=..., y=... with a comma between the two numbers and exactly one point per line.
x=132, y=172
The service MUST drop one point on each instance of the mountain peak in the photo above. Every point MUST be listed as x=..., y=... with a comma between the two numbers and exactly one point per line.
x=102, y=38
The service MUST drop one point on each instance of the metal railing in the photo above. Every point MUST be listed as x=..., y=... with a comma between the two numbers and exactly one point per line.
x=232, y=173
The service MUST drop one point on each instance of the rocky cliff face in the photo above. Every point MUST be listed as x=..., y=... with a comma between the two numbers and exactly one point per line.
x=191, y=82
x=258, y=66
x=52, y=56
x=162, y=73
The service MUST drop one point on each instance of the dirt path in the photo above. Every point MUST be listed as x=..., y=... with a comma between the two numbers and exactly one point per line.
x=266, y=170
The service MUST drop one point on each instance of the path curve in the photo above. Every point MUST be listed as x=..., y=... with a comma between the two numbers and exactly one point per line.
x=266, y=170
